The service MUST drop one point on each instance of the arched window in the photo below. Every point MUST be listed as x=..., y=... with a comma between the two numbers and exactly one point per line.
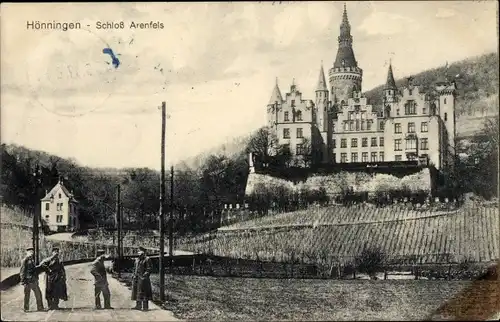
x=444, y=100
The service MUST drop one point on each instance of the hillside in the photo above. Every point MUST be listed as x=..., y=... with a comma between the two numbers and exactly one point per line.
x=477, y=81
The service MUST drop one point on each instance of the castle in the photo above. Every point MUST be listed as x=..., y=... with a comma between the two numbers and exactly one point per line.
x=340, y=126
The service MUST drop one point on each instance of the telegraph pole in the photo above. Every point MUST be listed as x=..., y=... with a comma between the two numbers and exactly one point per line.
x=170, y=227
x=118, y=228
x=162, y=201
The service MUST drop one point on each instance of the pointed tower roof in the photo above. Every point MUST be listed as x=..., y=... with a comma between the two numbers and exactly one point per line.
x=345, y=54
x=276, y=95
x=321, y=80
x=390, y=84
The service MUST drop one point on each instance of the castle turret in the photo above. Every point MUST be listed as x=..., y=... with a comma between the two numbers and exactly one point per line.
x=446, y=93
x=345, y=75
x=274, y=105
x=390, y=87
x=322, y=102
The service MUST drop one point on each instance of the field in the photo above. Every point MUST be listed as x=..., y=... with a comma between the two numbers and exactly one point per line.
x=212, y=298
x=340, y=233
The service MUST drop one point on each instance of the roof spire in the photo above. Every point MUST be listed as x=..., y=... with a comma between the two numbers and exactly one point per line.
x=345, y=54
x=321, y=80
x=276, y=95
x=390, y=84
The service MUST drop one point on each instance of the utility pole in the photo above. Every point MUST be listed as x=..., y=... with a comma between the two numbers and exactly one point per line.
x=170, y=227
x=36, y=215
x=118, y=228
x=162, y=206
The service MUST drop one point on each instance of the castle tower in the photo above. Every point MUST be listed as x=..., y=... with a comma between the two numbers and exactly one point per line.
x=274, y=106
x=390, y=87
x=322, y=102
x=345, y=75
x=446, y=106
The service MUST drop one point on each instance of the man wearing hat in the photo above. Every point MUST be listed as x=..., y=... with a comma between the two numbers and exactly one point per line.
x=55, y=280
x=29, y=279
x=141, y=284
x=101, y=281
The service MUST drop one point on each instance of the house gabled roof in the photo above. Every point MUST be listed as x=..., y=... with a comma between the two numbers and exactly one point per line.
x=53, y=191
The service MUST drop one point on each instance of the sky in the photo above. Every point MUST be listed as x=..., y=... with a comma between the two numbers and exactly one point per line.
x=214, y=64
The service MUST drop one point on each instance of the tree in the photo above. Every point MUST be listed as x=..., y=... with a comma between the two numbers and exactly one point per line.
x=264, y=145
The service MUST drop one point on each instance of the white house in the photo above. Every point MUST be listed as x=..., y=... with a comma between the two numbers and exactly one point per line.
x=59, y=209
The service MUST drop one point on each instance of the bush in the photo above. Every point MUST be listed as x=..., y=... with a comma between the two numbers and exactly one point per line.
x=370, y=261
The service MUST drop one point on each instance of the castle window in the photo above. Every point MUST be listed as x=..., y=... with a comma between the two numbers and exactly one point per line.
x=411, y=144
x=381, y=156
x=363, y=115
x=299, y=115
x=346, y=126
x=444, y=101
x=363, y=125
x=424, y=110
x=424, y=144
x=381, y=143
x=343, y=62
x=298, y=149
x=382, y=125
x=299, y=133
x=445, y=117
x=287, y=117
x=354, y=157
x=423, y=127
x=397, y=145
x=351, y=126
x=411, y=127
x=369, y=125
x=354, y=143
x=397, y=111
x=374, y=142
x=364, y=142
x=364, y=157
x=398, y=158
x=333, y=127
x=357, y=125
x=59, y=196
x=350, y=116
x=397, y=127
x=343, y=143
x=47, y=206
x=410, y=108
x=293, y=103
x=334, y=143
x=410, y=91
x=286, y=133
x=343, y=157
x=59, y=218
x=373, y=157
x=286, y=147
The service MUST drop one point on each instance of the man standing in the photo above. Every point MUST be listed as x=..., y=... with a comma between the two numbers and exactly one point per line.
x=141, y=284
x=101, y=281
x=29, y=279
x=55, y=280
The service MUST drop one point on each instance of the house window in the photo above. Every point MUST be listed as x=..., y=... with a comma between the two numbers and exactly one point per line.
x=423, y=127
x=286, y=133
x=299, y=115
x=298, y=149
x=343, y=143
x=445, y=117
x=381, y=141
x=287, y=117
x=374, y=142
x=364, y=157
x=411, y=143
x=424, y=144
x=59, y=218
x=47, y=206
x=299, y=133
x=397, y=145
x=354, y=143
x=354, y=157
x=399, y=158
x=410, y=108
x=411, y=127
x=374, y=157
x=381, y=156
x=343, y=157
x=397, y=127
x=364, y=142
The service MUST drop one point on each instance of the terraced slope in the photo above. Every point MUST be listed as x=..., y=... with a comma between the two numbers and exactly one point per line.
x=467, y=234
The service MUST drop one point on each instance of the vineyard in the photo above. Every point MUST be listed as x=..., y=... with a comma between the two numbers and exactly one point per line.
x=339, y=234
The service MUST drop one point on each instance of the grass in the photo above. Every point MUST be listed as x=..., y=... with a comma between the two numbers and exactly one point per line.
x=216, y=298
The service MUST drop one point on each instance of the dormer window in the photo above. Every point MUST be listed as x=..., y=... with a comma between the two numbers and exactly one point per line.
x=293, y=103
x=59, y=196
x=410, y=91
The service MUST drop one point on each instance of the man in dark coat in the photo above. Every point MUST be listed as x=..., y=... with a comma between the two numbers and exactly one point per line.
x=101, y=281
x=55, y=280
x=29, y=279
x=141, y=284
